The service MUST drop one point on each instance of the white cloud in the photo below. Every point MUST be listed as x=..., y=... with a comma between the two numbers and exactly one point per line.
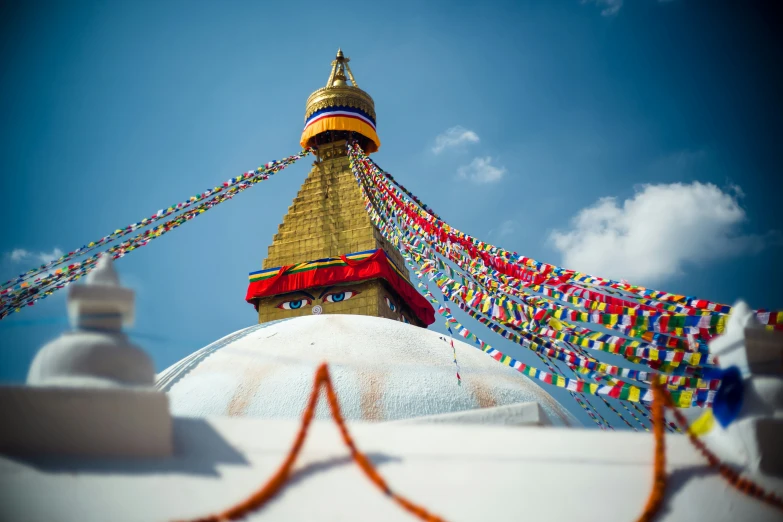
x=20, y=255
x=507, y=228
x=651, y=236
x=609, y=7
x=454, y=137
x=481, y=170
x=737, y=190
x=612, y=7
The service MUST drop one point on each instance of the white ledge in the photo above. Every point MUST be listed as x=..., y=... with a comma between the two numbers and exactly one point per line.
x=522, y=414
x=88, y=422
x=462, y=473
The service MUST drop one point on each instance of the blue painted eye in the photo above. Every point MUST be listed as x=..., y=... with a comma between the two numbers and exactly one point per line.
x=392, y=306
x=294, y=304
x=336, y=297
x=404, y=319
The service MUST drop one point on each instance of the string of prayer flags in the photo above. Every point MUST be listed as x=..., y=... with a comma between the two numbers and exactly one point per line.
x=434, y=228
x=27, y=293
x=262, y=172
x=528, y=302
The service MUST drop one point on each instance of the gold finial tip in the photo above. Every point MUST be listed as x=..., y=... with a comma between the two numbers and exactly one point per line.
x=339, y=53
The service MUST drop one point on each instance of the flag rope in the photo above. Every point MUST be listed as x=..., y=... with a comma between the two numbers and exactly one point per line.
x=277, y=482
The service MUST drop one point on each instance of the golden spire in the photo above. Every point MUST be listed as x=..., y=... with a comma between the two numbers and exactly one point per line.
x=327, y=218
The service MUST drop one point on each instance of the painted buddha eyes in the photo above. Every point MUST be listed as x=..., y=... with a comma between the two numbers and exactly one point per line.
x=337, y=297
x=294, y=304
x=394, y=308
x=331, y=297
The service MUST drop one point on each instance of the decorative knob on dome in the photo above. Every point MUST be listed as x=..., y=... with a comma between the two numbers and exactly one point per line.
x=339, y=80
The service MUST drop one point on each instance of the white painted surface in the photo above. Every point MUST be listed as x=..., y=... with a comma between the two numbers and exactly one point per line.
x=382, y=370
x=463, y=473
x=89, y=358
x=520, y=414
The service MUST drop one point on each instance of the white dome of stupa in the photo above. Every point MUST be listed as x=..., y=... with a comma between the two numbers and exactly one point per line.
x=382, y=370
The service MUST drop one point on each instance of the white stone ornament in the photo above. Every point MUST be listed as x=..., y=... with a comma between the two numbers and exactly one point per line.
x=90, y=391
x=95, y=351
x=753, y=439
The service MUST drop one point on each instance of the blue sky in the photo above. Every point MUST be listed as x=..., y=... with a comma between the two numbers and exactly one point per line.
x=637, y=140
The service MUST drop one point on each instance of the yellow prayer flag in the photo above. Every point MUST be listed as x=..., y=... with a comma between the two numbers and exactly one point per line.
x=721, y=326
x=685, y=399
x=703, y=424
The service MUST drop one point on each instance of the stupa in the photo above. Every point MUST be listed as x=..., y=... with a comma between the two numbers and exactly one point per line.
x=96, y=436
x=326, y=268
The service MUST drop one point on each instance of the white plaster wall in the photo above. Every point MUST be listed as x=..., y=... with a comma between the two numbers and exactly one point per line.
x=462, y=473
x=382, y=370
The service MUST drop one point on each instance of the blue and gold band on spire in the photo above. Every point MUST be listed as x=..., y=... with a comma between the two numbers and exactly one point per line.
x=341, y=119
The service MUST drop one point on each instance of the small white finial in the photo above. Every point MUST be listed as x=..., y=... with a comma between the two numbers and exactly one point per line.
x=101, y=303
x=104, y=273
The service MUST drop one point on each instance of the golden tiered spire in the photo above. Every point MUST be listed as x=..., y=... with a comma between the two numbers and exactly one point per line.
x=327, y=218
